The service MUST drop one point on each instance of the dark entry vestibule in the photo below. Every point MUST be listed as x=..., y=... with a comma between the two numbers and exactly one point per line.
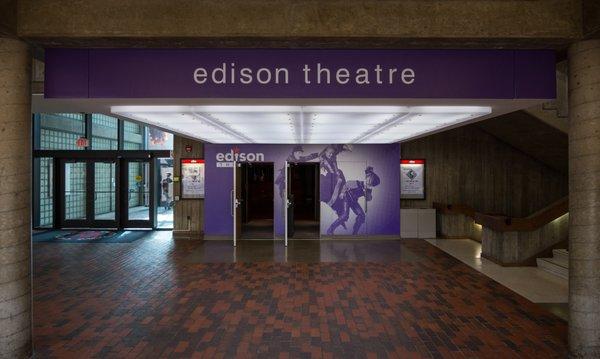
x=304, y=205
x=257, y=200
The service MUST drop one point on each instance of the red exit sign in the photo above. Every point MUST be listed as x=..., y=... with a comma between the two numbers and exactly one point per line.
x=412, y=162
x=82, y=142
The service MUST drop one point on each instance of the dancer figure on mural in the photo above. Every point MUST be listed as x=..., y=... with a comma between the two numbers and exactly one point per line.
x=297, y=155
x=332, y=177
x=348, y=200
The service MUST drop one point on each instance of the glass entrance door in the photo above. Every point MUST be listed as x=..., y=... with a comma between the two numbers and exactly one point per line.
x=89, y=196
x=75, y=194
x=138, y=206
x=105, y=198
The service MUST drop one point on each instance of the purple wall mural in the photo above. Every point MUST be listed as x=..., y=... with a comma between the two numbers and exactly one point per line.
x=359, y=185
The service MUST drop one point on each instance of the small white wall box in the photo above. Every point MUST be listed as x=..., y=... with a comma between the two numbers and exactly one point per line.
x=417, y=223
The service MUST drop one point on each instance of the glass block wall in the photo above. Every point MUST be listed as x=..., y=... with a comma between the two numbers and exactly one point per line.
x=105, y=132
x=46, y=191
x=60, y=131
x=133, y=136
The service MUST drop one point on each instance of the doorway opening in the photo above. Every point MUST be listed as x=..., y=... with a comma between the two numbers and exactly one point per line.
x=257, y=187
x=304, y=210
x=165, y=194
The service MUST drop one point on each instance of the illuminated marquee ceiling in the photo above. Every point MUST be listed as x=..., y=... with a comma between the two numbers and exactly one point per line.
x=302, y=124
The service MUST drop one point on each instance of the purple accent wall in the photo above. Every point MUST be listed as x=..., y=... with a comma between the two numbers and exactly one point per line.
x=376, y=164
x=168, y=73
x=66, y=73
x=533, y=77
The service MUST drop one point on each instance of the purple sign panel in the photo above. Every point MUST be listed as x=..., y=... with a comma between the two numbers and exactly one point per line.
x=359, y=185
x=299, y=73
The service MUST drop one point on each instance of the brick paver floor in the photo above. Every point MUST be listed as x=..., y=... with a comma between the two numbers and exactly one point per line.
x=153, y=298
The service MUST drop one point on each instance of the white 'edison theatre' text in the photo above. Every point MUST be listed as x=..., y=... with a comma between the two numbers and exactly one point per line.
x=230, y=74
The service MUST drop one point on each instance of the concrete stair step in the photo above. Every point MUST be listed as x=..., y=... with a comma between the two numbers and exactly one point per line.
x=562, y=255
x=560, y=261
x=553, y=266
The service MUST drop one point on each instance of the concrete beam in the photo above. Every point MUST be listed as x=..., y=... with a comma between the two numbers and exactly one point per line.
x=283, y=23
x=8, y=17
x=591, y=19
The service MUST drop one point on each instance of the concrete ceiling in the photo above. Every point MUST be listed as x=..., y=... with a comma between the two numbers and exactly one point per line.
x=301, y=23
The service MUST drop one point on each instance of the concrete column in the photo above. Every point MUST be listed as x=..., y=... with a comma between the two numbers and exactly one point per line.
x=15, y=200
x=584, y=199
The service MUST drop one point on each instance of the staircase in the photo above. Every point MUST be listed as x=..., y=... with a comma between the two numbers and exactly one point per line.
x=532, y=136
x=558, y=264
x=539, y=131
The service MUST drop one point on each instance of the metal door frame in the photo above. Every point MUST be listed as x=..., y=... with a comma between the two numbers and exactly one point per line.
x=286, y=203
x=234, y=203
x=125, y=222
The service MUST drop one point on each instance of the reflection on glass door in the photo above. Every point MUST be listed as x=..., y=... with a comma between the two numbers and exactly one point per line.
x=165, y=193
x=75, y=196
x=138, y=199
x=104, y=191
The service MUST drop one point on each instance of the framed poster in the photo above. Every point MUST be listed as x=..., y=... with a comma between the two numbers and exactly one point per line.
x=192, y=178
x=412, y=179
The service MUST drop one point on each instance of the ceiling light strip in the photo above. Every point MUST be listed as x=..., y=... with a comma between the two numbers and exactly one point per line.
x=301, y=126
x=307, y=124
x=221, y=126
x=381, y=127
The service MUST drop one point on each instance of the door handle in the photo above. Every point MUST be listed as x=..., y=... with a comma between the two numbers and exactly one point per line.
x=231, y=202
x=366, y=199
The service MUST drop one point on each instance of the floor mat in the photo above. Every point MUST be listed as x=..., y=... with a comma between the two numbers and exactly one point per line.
x=89, y=236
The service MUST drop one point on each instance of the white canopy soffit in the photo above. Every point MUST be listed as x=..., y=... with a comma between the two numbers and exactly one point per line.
x=302, y=124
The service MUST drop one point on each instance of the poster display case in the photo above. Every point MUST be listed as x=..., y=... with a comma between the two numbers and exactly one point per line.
x=192, y=178
x=412, y=179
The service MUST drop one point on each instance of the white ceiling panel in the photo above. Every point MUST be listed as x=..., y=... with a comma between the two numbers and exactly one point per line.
x=302, y=124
